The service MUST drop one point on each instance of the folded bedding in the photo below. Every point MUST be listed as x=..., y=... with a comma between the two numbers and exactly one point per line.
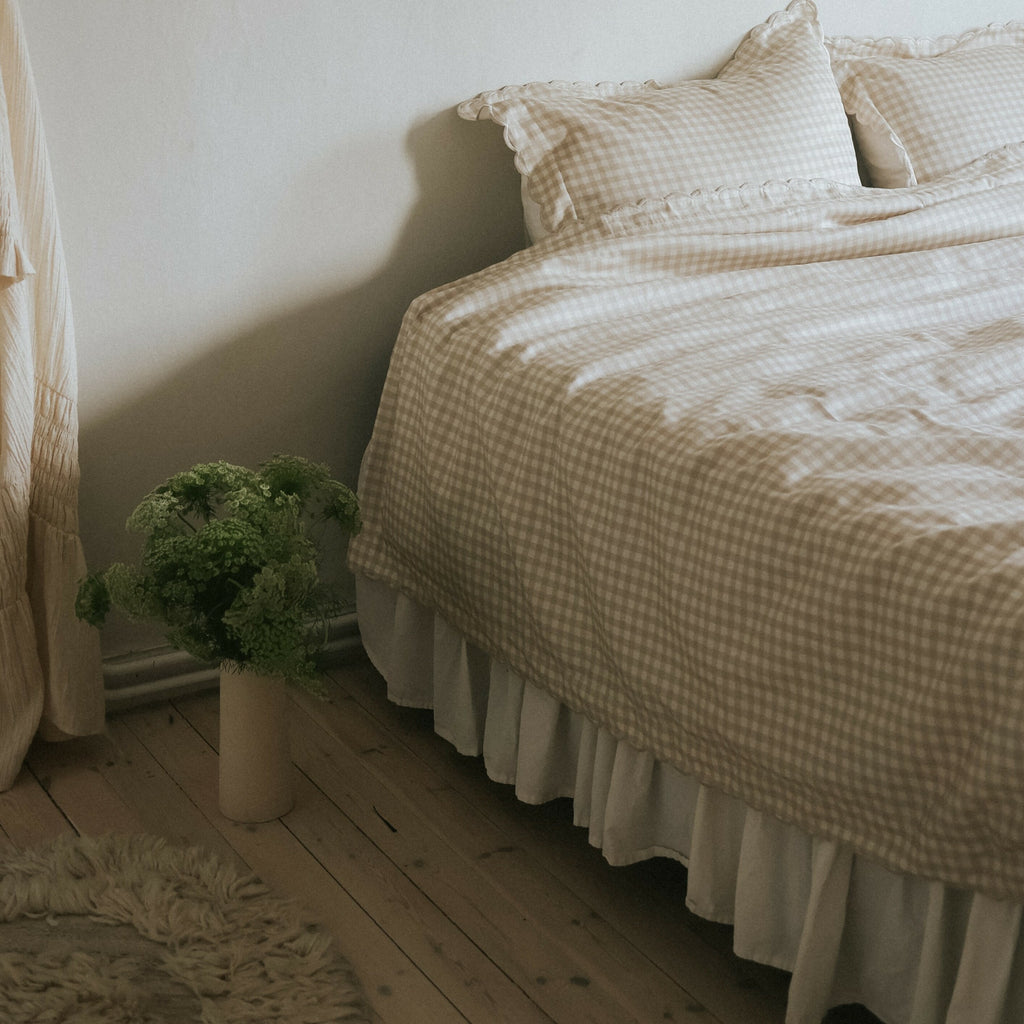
x=740, y=475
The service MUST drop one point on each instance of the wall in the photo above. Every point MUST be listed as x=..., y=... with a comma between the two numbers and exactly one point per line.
x=251, y=192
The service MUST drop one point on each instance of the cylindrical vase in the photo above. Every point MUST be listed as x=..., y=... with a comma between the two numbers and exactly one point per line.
x=256, y=775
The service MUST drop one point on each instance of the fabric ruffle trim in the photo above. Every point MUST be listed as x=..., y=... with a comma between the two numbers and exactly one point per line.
x=846, y=50
x=797, y=902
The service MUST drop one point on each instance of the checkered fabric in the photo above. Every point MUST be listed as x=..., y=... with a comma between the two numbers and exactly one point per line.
x=921, y=108
x=740, y=476
x=773, y=112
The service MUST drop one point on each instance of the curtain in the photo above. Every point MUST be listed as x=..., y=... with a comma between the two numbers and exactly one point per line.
x=50, y=671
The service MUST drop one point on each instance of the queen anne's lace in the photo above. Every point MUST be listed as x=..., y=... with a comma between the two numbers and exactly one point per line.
x=230, y=564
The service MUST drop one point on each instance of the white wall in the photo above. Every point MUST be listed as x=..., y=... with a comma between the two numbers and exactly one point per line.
x=251, y=192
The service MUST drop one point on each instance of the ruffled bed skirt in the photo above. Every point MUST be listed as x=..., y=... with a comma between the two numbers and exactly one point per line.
x=913, y=951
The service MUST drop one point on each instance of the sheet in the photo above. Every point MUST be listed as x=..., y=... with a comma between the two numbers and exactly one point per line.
x=740, y=475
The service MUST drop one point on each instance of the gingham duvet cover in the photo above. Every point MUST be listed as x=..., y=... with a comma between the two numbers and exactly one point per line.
x=741, y=477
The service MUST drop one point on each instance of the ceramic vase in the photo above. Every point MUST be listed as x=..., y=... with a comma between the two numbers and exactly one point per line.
x=256, y=775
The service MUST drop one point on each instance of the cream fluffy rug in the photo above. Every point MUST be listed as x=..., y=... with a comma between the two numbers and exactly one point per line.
x=133, y=929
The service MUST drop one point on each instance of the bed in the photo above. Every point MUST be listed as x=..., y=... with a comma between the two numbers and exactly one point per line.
x=707, y=508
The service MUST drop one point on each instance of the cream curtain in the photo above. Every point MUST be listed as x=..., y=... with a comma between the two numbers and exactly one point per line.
x=50, y=677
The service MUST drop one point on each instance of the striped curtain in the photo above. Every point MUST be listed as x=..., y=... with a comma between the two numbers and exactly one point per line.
x=50, y=674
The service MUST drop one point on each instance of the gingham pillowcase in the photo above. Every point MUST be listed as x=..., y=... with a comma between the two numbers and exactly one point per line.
x=920, y=108
x=774, y=112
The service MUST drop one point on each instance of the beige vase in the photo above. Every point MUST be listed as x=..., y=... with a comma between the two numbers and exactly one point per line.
x=256, y=774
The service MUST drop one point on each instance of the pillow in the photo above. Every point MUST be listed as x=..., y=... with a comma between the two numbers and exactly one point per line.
x=773, y=112
x=920, y=108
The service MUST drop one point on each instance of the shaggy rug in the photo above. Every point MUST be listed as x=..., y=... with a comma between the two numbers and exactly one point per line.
x=126, y=929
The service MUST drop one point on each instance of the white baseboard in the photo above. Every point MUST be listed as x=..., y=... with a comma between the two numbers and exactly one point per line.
x=143, y=677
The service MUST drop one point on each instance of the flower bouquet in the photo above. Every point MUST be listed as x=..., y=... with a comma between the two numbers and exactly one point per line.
x=229, y=564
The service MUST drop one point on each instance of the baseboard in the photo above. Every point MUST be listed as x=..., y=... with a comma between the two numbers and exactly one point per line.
x=144, y=677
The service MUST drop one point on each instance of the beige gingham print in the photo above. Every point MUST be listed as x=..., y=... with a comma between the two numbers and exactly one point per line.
x=740, y=476
x=940, y=112
x=774, y=112
x=885, y=161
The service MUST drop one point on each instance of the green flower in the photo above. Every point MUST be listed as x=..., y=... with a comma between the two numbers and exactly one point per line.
x=229, y=564
x=93, y=601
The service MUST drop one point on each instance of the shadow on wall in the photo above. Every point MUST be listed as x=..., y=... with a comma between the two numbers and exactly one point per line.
x=306, y=382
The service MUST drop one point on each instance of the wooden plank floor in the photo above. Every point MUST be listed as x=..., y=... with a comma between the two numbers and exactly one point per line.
x=452, y=900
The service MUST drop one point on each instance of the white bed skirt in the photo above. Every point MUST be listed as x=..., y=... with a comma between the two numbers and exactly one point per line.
x=850, y=931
